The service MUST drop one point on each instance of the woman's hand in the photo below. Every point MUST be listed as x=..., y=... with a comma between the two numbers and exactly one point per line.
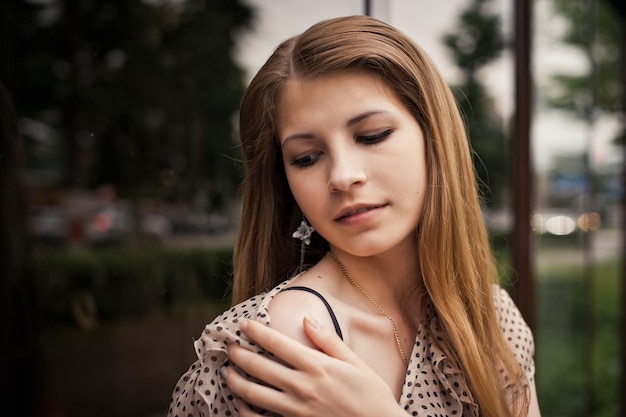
x=332, y=381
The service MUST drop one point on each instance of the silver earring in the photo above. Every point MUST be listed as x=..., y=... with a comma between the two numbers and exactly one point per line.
x=303, y=232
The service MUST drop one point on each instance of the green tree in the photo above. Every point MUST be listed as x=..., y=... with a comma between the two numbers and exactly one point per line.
x=139, y=94
x=598, y=35
x=478, y=41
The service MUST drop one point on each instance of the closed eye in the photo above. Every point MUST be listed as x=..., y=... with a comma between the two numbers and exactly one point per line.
x=306, y=160
x=374, y=139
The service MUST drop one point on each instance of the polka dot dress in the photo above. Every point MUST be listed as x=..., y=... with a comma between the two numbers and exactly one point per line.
x=432, y=387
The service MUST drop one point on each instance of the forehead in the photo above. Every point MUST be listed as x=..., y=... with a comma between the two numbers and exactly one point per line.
x=336, y=96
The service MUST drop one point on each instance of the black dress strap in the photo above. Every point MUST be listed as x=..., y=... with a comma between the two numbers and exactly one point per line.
x=328, y=307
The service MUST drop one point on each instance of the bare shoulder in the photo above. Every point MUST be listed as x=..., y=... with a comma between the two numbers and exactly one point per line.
x=289, y=307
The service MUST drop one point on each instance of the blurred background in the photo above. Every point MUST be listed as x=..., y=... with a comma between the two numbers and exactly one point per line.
x=119, y=168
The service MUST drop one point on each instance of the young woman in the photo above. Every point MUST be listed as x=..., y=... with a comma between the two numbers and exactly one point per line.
x=391, y=303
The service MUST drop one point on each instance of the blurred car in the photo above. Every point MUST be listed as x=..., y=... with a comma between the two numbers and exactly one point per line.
x=108, y=224
x=562, y=222
x=99, y=224
x=196, y=222
x=49, y=225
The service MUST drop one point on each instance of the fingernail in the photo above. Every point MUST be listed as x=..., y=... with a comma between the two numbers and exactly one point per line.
x=243, y=324
x=312, y=321
x=224, y=372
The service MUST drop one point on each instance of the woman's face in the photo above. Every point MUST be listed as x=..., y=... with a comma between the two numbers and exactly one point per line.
x=354, y=160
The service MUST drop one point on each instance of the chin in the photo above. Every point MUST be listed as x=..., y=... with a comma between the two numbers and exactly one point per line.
x=364, y=251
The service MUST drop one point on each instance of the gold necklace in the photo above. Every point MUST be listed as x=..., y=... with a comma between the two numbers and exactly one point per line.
x=374, y=303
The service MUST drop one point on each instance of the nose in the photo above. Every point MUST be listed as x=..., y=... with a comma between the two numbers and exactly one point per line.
x=346, y=171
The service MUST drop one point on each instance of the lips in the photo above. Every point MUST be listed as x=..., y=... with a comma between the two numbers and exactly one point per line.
x=351, y=211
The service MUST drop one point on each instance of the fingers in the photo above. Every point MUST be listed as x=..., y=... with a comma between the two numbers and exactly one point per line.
x=328, y=341
x=271, y=372
x=244, y=410
x=287, y=349
x=252, y=393
x=295, y=353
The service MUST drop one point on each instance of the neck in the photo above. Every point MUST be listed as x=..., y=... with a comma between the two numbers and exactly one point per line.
x=391, y=278
x=386, y=312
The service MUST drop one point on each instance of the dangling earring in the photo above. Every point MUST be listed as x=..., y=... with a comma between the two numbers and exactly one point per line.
x=303, y=232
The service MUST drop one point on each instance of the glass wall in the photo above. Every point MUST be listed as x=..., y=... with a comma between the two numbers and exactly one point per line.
x=120, y=167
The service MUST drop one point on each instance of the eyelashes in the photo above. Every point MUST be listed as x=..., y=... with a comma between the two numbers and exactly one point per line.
x=374, y=139
x=306, y=160
x=311, y=158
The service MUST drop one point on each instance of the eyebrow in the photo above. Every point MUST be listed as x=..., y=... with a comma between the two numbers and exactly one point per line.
x=363, y=116
x=353, y=121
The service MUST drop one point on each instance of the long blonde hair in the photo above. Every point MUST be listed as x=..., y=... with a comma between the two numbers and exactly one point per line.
x=457, y=266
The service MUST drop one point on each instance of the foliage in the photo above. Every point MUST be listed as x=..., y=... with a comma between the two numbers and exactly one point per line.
x=139, y=94
x=477, y=42
x=479, y=39
x=86, y=286
x=571, y=91
x=561, y=340
x=598, y=35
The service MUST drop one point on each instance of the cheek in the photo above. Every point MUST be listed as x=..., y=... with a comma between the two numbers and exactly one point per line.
x=411, y=177
x=303, y=192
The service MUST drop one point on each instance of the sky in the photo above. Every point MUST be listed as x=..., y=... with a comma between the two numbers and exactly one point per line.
x=425, y=21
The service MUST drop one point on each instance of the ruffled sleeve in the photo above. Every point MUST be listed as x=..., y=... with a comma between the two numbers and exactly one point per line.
x=516, y=332
x=202, y=391
x=435, y=384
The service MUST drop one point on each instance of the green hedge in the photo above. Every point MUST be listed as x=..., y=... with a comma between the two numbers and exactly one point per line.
x=562, y=341
x=116, y=283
